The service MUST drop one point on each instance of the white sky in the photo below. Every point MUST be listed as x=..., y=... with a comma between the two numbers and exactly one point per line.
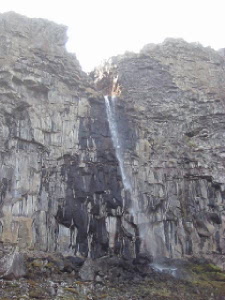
x=99, y=29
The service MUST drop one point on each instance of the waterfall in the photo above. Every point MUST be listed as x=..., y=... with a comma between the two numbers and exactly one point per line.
x=132, y=220
x=111, y=115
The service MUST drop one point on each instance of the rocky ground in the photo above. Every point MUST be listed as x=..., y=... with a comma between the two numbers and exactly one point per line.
x=55, y=277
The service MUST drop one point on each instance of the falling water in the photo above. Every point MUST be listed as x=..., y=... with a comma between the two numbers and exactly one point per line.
x=111, y=114
x=132, y=218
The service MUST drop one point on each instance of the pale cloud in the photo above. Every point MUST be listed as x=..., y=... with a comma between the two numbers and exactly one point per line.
x=99, y=29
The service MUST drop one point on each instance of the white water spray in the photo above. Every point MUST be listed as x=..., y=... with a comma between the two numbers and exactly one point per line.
x=111, y=114
x=164, y=269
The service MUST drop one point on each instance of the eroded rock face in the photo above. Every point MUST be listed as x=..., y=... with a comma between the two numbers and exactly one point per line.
x=172, y=98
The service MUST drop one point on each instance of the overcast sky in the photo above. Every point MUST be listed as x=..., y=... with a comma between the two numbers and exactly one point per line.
x=99, y=29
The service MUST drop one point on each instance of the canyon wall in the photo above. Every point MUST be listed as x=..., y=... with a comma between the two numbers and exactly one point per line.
x=61, y=184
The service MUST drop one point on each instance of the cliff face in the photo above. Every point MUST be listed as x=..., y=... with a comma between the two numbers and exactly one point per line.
x=62, y=187
x=59, y=173
x=173, y=98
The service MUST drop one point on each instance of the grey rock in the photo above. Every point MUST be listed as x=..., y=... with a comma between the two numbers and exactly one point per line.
x=88, y=270
x=13, y=266
x=72, y=263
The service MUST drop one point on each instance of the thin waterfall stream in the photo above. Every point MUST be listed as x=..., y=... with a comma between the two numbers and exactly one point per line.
x=111, y=115
x=110, y=102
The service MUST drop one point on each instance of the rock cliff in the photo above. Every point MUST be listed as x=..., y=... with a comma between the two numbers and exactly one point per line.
x=60, y=182
x=59, y=173
x=170, y=107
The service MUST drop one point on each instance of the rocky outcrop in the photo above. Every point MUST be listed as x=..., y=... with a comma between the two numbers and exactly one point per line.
x=170, y=110
x=60, y=181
